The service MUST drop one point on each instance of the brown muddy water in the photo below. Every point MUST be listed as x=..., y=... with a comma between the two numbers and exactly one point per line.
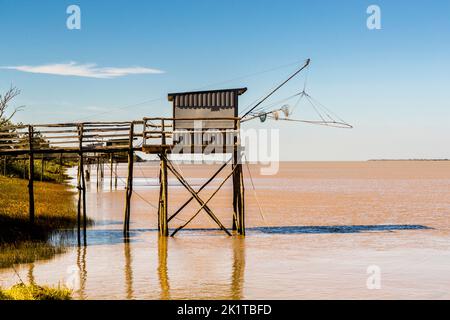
x=324, y=228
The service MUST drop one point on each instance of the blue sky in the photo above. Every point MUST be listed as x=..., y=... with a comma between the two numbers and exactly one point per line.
x=391, y=84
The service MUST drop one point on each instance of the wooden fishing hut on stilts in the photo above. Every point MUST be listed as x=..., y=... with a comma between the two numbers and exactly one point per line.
x=203, y=122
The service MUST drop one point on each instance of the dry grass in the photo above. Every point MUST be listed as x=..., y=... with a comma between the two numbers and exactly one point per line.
x=55, y=210
x=54, y=207
x=35, y=292
x=27, y=252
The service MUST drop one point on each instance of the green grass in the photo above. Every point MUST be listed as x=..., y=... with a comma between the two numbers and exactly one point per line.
x=35, y=292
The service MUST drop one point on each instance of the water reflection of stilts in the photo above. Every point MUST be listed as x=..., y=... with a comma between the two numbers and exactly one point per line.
x=237, y=278
x=162, y=268
x=81, y=263
x=30, y=274
x=237, y=273
x=128, y=270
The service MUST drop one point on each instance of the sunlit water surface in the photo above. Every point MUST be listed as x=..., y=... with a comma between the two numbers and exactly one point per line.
x=320, y=229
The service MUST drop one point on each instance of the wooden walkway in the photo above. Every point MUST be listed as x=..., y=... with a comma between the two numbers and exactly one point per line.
x=90, y=140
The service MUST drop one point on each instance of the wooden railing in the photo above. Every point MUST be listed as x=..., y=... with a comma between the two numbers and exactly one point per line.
x=141, y=135
x=68, y=137
x=161, y=132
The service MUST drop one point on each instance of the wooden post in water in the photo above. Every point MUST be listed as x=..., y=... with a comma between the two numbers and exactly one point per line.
x=111, y=163
x=238, y=186
x=97, y=174
x=79, y=186
x=236, y=181
x=102, y=168
x=115, y=176
x=79, y=206
x=241, y=202
x=83, y=184
x=163, y=201
x=129, y=187
x=31, y=175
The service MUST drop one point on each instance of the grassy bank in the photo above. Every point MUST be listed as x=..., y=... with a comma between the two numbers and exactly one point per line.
x=55, y=210
x=54, y=206
x=27, y=252
x=52, y=171
x=34, y=292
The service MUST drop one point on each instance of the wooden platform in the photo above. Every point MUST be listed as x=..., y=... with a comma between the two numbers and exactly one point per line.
x=93, y=142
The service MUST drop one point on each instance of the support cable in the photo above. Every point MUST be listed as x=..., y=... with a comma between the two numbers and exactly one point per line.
x=254, y=192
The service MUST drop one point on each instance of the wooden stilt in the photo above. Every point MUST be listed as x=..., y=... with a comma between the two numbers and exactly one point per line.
x=98, y=172
x=115, y=175
x=129, y=187
x=162, y=211
x=31, y=175
x=79, y=206
x=163, y=201
x=241, y=202
x=235, y=180
x=238, y=188
x=79, y=184
x=4, y=166
x=102, y=168
x=160, y=198
x=83, y=192
x=111, y=159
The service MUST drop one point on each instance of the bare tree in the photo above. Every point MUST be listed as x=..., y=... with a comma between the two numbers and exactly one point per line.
x=5, y=99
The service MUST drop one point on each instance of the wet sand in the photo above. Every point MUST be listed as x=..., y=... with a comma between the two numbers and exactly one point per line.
x=322, y=225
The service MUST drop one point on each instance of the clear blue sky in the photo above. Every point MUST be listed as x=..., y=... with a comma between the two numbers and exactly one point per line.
x=392, y=84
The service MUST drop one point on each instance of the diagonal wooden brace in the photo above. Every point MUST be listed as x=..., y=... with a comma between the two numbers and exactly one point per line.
x=207, y=201
x=195, y=195
x=201, y=188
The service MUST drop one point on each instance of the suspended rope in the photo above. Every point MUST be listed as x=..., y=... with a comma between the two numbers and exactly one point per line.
x=278, y=87
x=142, y=198
x=254, y=192
x=325, y=115
x=272, y=111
